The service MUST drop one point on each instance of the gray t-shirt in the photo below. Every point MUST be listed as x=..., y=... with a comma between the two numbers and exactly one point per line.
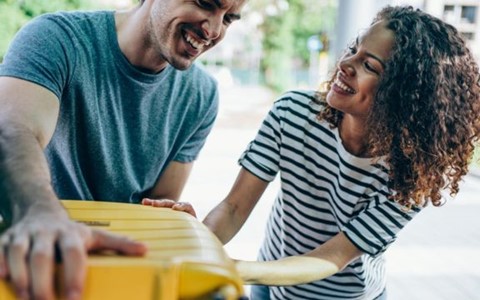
x=118, y=127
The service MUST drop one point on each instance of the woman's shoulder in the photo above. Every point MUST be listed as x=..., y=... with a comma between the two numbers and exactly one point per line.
x=300, y=95
x=307, y=99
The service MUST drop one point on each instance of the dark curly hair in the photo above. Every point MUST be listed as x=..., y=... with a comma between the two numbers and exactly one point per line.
x=425, y=119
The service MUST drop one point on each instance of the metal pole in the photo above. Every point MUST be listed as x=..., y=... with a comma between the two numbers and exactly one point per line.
x=352, y=17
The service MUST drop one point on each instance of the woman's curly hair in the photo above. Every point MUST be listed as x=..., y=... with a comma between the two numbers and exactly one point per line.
x=425, y=119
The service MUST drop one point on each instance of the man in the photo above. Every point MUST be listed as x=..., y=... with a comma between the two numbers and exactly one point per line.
x=121, y=113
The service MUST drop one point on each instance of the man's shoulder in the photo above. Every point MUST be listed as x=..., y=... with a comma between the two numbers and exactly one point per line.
x=76, y=15
x=73, y=21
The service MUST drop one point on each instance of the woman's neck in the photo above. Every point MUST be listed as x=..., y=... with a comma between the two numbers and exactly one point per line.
x=353, y=136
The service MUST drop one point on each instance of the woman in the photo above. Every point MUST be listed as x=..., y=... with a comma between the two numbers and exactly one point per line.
x=395, y=126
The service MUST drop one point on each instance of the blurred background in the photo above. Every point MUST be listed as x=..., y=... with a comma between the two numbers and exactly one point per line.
x=280, y=44
x=287, y=44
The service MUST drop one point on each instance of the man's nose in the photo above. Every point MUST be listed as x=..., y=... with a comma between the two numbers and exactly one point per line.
x=212, y=27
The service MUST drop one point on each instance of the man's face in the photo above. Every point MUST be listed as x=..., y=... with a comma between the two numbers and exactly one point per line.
x=180, y=30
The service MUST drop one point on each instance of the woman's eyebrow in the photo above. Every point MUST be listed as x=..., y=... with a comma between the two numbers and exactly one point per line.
x=369, y=54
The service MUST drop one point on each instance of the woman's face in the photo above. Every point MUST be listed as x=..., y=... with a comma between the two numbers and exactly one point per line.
x=359, y=71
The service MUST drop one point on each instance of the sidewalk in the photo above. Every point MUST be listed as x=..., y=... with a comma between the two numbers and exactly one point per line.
x=435, y=257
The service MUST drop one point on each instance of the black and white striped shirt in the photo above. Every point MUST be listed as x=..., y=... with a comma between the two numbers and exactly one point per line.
x=324, y=190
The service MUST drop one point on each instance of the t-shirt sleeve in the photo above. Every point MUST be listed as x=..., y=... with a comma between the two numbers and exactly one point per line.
x=262, y=156
x=376, y=228
x=41, y=52
x=191, y=149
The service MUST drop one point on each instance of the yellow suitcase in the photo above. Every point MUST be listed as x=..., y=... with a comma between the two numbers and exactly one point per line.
x=185, y=260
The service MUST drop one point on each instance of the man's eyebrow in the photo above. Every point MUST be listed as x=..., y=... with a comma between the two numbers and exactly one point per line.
x=219, y=4
x=235, y=17
x=372, y=55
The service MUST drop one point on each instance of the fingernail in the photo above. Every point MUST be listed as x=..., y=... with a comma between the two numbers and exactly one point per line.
x=73, y=295
x=22, y=294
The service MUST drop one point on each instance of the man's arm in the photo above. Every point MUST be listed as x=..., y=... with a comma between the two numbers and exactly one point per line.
x=27, y=121
x=172, y=181
x=38, y=222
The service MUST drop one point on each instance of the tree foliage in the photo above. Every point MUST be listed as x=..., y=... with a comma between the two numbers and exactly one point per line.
x=14, y=14
x=287, y=26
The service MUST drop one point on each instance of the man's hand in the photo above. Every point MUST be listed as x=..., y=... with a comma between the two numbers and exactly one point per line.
x=180, y=206
x=28, y=250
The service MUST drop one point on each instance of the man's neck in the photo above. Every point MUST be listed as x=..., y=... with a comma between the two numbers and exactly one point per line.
x=133, y=39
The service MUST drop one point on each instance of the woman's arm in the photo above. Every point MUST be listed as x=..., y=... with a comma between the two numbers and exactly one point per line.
x=324, y=261
x=226, y=219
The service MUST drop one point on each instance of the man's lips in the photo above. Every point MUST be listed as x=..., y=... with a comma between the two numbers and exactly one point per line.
x=196, y=45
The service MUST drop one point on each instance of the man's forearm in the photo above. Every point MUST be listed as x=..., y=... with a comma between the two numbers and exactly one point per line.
x=24, y=174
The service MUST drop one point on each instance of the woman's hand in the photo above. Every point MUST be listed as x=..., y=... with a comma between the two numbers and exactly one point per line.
x=167, y=203
x=292, y=270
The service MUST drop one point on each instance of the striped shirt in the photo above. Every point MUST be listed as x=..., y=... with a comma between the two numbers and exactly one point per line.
x=324, y=190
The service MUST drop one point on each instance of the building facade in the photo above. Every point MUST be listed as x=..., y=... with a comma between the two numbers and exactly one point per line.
x=463, y=14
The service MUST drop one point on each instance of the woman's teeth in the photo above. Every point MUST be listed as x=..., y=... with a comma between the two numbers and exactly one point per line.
x=344, y=87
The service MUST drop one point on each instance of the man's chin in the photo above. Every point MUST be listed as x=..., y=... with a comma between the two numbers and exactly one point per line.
x=182, y=64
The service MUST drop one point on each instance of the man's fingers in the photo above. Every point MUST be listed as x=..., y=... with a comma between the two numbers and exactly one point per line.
x=180, y=206
x=185, y=207
x=41, y=262
x=103, y=240
x=158, y=203
x=4, y=242
x=16, y=256
x=73, y=249
x=74, y=259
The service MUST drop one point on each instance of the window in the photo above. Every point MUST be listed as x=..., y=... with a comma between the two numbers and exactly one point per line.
x=449, y=14
x=469, y=14
x=469, y=36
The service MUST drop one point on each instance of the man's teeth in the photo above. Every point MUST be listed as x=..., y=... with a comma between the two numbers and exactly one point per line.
x=344, y=87
x=195, y=44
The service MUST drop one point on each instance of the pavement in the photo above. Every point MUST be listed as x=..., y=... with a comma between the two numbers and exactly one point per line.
x=436, y=256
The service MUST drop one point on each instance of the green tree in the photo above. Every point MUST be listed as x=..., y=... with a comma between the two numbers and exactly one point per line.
x=14, y=14
x=286, y=28
x=33, y=8
x=278, y=47
x=12, y=19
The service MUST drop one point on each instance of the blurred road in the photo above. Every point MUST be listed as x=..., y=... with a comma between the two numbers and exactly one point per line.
x=437, y=256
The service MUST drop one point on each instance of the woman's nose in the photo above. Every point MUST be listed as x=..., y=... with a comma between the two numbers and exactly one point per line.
x=347, y=67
